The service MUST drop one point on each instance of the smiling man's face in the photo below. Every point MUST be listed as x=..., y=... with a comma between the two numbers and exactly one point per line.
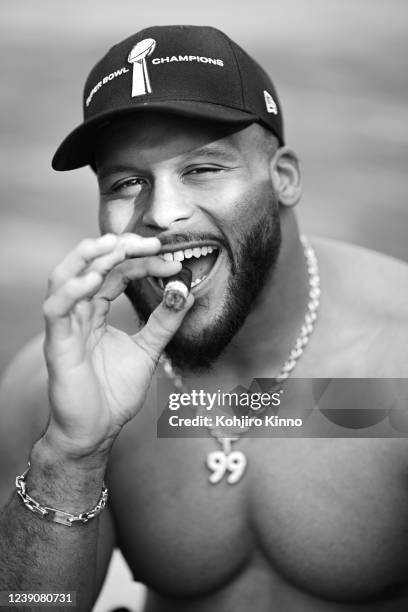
x=206, y=192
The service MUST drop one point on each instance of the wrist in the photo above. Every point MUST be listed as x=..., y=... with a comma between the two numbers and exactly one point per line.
x=85, y=453
x=57, y=479
x=56, y=515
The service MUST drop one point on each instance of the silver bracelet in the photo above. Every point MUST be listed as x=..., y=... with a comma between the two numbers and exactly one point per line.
x=54, y=515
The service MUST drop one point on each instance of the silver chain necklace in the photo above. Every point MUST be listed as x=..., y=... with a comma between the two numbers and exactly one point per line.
x=234, y=463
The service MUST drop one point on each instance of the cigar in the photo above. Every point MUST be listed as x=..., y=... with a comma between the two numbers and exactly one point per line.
x=176, y=289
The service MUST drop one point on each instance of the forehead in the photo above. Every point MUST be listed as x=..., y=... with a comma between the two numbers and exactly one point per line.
x=143, y=135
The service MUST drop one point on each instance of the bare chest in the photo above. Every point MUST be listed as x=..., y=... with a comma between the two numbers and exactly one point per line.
x=330, y=517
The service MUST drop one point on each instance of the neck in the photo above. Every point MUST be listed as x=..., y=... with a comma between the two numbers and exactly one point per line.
x=263, y=343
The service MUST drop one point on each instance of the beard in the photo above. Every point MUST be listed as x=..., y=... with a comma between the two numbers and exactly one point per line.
x=252, y=264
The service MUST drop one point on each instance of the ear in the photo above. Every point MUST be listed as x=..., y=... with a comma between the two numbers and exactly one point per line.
x=286, y=176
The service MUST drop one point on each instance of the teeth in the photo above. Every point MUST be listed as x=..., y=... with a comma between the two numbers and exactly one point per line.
x=197, y=281
x=188, y=253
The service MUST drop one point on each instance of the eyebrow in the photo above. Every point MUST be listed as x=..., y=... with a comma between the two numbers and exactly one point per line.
x=213, y=151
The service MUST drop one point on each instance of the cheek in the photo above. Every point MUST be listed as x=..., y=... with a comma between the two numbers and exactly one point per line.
x=251, y=206
x=117, y=217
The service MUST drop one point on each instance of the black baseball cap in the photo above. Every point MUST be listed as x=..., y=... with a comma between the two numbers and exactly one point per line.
x=194, y=71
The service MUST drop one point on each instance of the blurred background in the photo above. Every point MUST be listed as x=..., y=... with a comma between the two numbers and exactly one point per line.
x=338, y=65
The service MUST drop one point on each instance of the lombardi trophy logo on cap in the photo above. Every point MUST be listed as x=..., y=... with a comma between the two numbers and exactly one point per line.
x=137, y=57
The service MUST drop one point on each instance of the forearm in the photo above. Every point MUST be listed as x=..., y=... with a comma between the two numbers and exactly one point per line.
x=39, y=555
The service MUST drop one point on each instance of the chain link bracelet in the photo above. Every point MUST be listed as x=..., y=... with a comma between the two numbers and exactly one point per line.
x=54, y=515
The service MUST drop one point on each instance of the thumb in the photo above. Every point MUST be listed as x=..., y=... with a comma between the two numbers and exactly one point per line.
x=160, y=328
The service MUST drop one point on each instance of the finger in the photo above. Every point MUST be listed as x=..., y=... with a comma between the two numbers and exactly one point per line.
x=60, y=304
x=128, y=246
x=83, y=312
x=160, y=328
x=100, y=312
x=77, y=260
x=101, y=255
x=133, y=269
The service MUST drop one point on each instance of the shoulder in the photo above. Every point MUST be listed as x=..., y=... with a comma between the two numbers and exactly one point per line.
x=23, y=411
x=362, y=271
x=364, y=307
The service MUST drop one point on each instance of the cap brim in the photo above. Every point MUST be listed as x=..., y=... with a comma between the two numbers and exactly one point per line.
x=77, y=149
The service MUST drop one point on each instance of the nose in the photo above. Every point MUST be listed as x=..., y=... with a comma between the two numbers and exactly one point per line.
x=166, y=206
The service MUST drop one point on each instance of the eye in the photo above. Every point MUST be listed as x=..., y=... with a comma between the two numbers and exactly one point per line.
x=204, y=169
x=128, y=186
x=202, y=174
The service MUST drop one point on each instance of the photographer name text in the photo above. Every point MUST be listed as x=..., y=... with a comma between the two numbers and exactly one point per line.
x=244, y=422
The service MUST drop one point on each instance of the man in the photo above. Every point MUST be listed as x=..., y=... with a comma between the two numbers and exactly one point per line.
x=184, y=132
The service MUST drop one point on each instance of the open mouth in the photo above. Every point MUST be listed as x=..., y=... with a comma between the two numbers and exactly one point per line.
x=199, y=259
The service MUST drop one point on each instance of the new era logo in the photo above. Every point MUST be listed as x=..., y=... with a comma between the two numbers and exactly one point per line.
x=271, y=106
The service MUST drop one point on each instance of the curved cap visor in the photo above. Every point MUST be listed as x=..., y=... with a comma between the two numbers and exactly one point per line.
x=78, y=148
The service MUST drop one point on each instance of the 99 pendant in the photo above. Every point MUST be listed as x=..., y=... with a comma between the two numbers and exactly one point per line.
x=219, y=462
